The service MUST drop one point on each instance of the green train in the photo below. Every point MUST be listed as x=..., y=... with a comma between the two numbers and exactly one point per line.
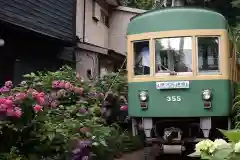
x=182, y=68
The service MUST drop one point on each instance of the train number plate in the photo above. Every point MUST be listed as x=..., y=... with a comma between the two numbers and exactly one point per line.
x=172, y=85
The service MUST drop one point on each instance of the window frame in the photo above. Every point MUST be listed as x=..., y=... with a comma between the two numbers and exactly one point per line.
x=104, y=18
x=177, y=73
x=133, y=57
x=219, y=56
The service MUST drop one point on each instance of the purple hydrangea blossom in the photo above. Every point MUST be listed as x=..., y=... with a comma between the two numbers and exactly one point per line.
x=4, y=89
x=84, y=143
x=82, y=150
x=83, y=110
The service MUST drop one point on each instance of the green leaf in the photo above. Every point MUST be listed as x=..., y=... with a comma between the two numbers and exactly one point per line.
x=51, y=135
x=32, y=74
x=102, y=141
x=232, y=135
x=223, y=153
x=194, y=154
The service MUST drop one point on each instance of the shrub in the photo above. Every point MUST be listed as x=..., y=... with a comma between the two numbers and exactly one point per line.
x=57, y=115
x=220, y=149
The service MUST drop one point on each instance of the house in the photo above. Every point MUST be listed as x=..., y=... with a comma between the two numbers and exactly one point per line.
x=101, y=28
x=35, y=35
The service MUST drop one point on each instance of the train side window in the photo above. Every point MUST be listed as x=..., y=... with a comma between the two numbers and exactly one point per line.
x=173, y=55
x=141, y=58
x=208, y=55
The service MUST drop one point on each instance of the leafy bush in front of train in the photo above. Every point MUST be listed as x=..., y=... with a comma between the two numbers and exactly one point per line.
x=56, y=115
x=220, y=149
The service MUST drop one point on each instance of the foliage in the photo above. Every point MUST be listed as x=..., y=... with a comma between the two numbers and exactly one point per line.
x=220, y=149
x=56, y=115
x=106, y=82
x=141, y=4
x=236, y=3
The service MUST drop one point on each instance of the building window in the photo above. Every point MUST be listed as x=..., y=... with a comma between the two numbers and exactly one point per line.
x=141, y=58
x=208, y=54
x=104, y=18
x=173, y=55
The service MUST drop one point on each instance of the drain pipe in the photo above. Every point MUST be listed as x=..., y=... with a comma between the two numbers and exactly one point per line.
x=84, y=20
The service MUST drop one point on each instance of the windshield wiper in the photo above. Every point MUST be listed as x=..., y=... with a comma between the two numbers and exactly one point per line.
x=169, y=71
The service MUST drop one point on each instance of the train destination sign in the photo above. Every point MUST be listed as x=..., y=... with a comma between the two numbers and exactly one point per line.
x=172, y=85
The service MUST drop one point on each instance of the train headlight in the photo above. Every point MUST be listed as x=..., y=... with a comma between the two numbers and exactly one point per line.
x=143, y=96
x=206, y=94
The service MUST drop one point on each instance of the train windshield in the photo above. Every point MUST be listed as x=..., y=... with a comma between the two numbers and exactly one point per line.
x=208, y=55
x=173, y=55
x=141, y=58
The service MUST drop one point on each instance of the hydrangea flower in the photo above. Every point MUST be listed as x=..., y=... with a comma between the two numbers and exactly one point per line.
x=62, y=84
x=54, y=103
x=18, y=113
x=37, y=108
x=20, y=96
x=78, y=90
x=4, y=89
x=95, y=144
x=237, y=147
x=219, y=142
x=83, y=110
x=8, y=84
x=55, y=84
x=84, y=143
x=205, y=146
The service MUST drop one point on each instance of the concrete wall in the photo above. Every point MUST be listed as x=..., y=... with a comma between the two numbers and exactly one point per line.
x=100, y=37
x=119, y=20
x=87, y=60
x=96, y=32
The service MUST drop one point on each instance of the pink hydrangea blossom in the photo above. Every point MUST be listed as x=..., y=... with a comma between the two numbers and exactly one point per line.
x=55, y=84
x=3, y=107
x=34, y=94
x=8, y=84
x=54, y=104
x=78, y=90
x=31, y=90
x=41, y=94
x=68, y=86
x=10, y=112
x=8, y=102
x=18, y=112
x=37, y=108
x=62, y=84
x=4, y=89
x=40, y=100
x=10, y=97
x=2, y=100
x=20, y=96
x=124, y=108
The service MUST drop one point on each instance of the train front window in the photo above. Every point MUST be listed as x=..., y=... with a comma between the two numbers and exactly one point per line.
x=173, y=55
x=208, y=55
x=141, y=58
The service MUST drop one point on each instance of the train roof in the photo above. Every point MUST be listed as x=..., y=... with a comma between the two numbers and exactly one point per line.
x=176, y=18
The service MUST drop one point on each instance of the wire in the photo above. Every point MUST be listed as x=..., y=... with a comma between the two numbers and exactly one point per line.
x=114, y=79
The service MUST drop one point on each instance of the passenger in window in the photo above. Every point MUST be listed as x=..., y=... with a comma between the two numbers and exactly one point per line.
x=144, y=59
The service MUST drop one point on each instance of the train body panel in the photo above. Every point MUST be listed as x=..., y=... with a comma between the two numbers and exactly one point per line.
x=176, y=19
x=181, y=102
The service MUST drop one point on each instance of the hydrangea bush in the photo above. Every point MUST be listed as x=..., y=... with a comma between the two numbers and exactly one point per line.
x=55, y=115
x=220, y=149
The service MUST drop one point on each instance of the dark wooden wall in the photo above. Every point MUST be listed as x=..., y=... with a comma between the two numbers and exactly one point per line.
x=55, y=18
x=26, y=51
